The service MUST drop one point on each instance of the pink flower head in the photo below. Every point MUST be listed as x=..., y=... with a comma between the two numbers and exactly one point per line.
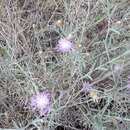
x=64, y=45
x=41, y=102
x=128, y=84
x=118, y=68
x=87, y=87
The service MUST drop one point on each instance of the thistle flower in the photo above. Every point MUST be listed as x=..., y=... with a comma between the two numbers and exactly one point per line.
x=118, y=68
x=128, y=82
x=128, y=86
x=41, y=103
x=94, y=96
x=87, y=87
x=64, y=45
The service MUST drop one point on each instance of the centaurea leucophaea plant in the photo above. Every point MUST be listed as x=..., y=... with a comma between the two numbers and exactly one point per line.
x=41, y=102
x=89, y=88
x=65, y=45
x=128, y=82
x=118, y=68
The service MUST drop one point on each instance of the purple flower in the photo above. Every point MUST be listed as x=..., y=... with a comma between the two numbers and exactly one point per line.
x=64, y=45
x=118, y=68
x=87, y=87
x=128, y=84
x=41, y=102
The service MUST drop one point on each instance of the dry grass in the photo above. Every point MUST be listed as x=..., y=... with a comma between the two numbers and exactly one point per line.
x=28, y=63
